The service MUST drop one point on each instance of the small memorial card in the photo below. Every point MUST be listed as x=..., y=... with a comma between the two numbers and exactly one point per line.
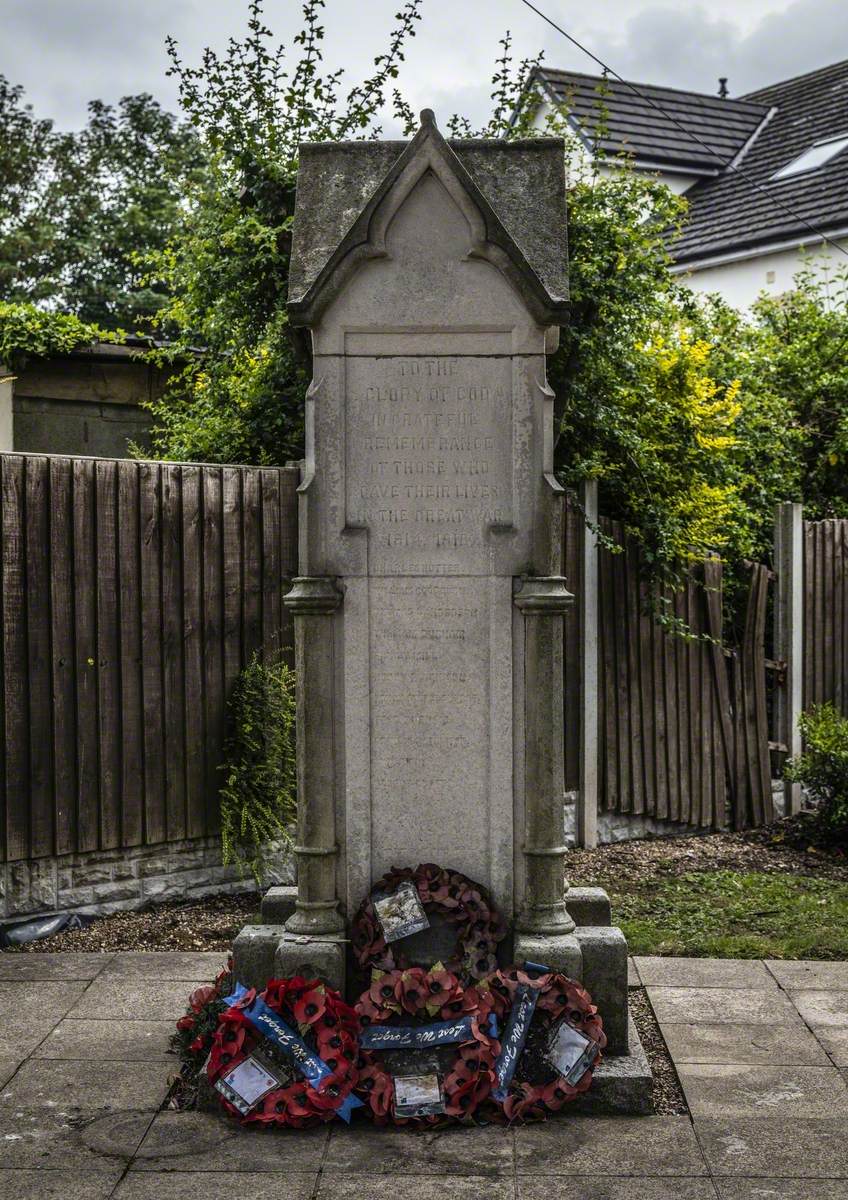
x=247, y=1083
x=401, y=913
x=571, y=1053
x=418, y=1095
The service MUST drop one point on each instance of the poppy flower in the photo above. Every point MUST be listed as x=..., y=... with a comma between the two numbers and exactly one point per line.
x=310, y=1006
x=555, y=1094
x=465, y=1002
x=382, y=992
x=411, y=990
x=330, y=1091
x=334, y=1042
x=197, y=1044
x=463, y=1101
x=298, y=1103
x=201, y=996
x=369, y=1011
x=186, y=1022
x=519, y=1101
x=441, y=986
x=443, y=896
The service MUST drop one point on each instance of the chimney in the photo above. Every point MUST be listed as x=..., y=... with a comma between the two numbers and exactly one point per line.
x=722, y=87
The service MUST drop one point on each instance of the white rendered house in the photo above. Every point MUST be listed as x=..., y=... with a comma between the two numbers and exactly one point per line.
x=765, y=175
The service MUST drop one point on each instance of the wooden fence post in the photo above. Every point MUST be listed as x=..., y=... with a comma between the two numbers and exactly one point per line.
x=587, y=800
x=789, y=633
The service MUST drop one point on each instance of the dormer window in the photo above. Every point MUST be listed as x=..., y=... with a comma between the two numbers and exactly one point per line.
x=817, y=155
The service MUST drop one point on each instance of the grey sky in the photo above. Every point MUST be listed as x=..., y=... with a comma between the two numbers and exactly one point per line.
x=66, y=52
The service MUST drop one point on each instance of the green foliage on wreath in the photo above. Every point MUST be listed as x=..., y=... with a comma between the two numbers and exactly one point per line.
x=259, y=794
x=823, y=767
x=27, y=331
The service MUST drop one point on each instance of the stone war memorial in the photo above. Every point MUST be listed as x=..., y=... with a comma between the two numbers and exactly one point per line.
x=431, y=278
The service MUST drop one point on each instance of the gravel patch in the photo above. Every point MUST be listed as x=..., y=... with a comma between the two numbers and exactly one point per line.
x=207, y=924
x=669, y=1100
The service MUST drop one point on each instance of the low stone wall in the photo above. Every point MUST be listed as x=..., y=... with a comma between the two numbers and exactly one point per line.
x=106, y=881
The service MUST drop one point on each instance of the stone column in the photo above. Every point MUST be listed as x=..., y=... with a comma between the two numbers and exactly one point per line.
x=544, y=928
x=313, y=601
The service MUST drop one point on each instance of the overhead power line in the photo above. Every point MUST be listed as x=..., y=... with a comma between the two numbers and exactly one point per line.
x=726, y=162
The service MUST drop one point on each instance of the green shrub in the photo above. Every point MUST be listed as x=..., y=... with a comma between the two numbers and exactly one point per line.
x=823, y=767
x=259, y=794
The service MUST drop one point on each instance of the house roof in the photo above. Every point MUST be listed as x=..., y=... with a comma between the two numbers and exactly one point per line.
x=518, y=186
x=728, y=214
x=625, y=121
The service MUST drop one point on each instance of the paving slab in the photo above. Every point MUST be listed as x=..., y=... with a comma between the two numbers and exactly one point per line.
x=611, y=1187
x=651, y=1146
x=822, y=1008
x=834, y=1041
x=47, y=1139
x=779, y=1147
x=417, y=1187
x=86, y=1087
x=22, y=1030
x=633, y=978
x=704, y=972
x=8, y=1066
x=715, y=1090
x=116, y=1041
x=112, y=998
x=51, y=998
x=365, y=1150
x=194, y=1185
x=176, y=965
x=781, y=1189
x=191, y=1142
x=716, y=1005
x=809, y=974
x=58, y=1185
x=25, y=966
x=788, y=1045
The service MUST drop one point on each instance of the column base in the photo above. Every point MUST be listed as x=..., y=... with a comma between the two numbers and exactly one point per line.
x=603, y=951
x=311, y=957
x=561, y=952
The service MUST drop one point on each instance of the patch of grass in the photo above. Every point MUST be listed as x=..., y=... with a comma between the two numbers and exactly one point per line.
x=732, y=914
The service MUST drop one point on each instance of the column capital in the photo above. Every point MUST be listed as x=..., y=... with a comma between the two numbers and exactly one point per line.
x=314, y=595
x=542, y=594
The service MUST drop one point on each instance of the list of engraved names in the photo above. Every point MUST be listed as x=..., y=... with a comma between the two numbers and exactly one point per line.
x=428, y=460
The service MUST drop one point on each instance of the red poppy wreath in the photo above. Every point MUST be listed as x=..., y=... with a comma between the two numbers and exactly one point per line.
x=287, y=1055
x=551, y=1039
x=427, y=1048
x=461, y=902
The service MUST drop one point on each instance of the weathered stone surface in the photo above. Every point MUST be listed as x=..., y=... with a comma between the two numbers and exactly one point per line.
x=604, y=952
x=42, y=1000
x=448, y=1152
x=118, y=1041
x=822, y=1008
x=559, y=953
x=704, y=973
x=575, y=1146
x=205, y=1142
x=748, y=1006
x=55, y=967
x=834, y=1041
x=311, y=958
x=8, y=1066
x=610, y=1187
x=713, y=1090
x=802, y=974
x=113, y=998
x=789, y=1044
x=781, y=1189
x=621, y=1084
x=588, y=906
x=253, y=954
x=87, y=1087
x=278, y=905
x=283, y=1185
x=415, y=1187
x=58, y=1185
x=790, y=1147
x=166, y=964
x=49, y=1139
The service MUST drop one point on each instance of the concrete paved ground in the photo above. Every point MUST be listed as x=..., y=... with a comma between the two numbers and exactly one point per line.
x=761, y=1050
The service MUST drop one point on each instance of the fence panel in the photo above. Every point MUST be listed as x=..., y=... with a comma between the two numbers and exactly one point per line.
x=132, y=595
x=826, y=613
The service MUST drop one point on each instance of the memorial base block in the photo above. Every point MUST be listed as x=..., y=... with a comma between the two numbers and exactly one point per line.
x=253, y=954
x=560, y=952
x=312, y=958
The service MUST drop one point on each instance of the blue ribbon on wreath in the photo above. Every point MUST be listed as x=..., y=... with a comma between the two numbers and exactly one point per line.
x=421, y=1037
x=274, y=1028
x=518, y=1026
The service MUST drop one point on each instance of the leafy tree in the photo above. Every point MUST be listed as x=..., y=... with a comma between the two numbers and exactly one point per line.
x=26, y=219
x=79, y=211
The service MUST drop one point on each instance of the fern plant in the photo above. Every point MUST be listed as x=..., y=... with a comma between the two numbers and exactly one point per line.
x=259, y=793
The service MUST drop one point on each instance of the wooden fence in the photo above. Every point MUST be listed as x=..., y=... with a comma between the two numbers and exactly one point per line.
x=826, y=613
x=133, y=593
x=682, y=723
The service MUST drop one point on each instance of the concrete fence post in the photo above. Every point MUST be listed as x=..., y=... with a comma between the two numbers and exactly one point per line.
x=587, y=802
x=789, y=633
x=7, y=391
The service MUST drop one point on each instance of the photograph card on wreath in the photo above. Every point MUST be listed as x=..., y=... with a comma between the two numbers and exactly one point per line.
x=248, y=1082
x=401, y=913
x=418, y=1096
